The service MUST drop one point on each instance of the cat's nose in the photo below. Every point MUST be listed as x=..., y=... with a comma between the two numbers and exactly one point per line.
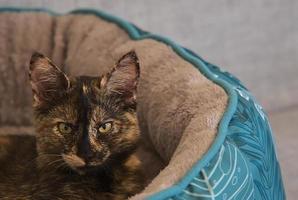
x=85, y=151
x=89, y=155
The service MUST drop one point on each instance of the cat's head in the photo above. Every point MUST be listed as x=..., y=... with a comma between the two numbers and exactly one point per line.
x=84, y=122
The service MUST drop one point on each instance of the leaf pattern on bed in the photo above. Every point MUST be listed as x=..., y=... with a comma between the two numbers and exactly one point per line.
x=250, y=130
x=225, y=177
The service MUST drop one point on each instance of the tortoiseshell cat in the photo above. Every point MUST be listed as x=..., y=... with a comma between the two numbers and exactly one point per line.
x=86, y=136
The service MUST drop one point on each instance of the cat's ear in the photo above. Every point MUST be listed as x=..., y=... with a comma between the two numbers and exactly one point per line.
x=48, y=82
x=123, y=79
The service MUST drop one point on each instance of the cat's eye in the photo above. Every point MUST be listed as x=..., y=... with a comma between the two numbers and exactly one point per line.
x=64, y=128
x=106, y=127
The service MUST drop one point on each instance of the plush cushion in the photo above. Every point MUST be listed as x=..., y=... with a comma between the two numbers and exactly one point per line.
x=203, y=134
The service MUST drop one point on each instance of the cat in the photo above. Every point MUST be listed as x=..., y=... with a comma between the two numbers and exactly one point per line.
x=86, y=136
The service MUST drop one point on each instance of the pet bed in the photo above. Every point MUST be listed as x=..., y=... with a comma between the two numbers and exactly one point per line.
x=204, y=135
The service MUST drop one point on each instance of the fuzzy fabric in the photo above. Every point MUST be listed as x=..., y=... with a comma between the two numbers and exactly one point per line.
x=178, y=108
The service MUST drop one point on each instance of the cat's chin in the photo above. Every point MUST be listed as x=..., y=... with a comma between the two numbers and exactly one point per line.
x=89, y=169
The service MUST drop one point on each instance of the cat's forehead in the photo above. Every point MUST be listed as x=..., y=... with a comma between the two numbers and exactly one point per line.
x=85, y=88
x=79, y=99
x=88, y=96
x=87, y=101
x=81, y=82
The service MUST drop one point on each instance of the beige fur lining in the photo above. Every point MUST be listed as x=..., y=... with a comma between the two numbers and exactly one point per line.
x=179, y=109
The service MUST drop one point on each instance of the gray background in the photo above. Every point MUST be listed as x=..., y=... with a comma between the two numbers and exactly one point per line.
x=256, y=40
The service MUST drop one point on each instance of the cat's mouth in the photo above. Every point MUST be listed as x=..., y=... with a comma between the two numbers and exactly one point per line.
x=79, y=165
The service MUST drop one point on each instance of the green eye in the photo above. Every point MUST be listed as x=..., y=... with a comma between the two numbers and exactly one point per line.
x=64, y=128
x=106, y=127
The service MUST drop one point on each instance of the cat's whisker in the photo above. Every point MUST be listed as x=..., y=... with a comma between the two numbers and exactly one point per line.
x=62, y=165
x=55, y=161
x=49, y=165
x=48, y=155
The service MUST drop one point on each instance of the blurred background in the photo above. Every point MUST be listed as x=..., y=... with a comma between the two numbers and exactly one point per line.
x=255, y=40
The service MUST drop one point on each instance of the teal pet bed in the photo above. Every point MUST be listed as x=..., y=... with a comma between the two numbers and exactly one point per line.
x=204, y=135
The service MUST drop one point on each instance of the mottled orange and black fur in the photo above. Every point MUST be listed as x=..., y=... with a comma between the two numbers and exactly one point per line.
x=86, y=136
